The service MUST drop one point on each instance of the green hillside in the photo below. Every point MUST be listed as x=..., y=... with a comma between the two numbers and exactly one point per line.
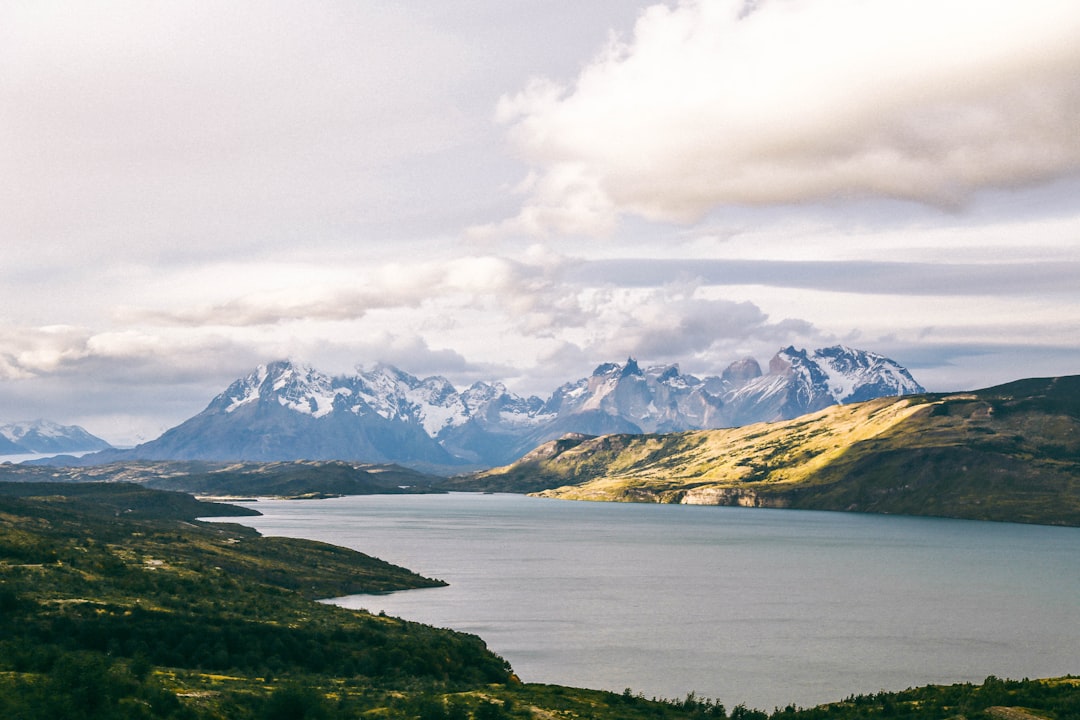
x=1008, y=453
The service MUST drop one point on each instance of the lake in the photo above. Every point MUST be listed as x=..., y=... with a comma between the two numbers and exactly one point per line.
x=763, y=607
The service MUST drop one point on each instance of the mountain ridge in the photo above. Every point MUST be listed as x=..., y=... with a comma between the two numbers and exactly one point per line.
x=45, y=436
x=290, y=411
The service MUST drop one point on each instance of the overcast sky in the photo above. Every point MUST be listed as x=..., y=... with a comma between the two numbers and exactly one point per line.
x=521, y=190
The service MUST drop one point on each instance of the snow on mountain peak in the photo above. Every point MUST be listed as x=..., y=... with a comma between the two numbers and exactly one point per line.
x=46, y=436
x=855, y=375
x=16, y=431
x=307, y=391
x=295, y=386
x=485, y=422
x=246, y=390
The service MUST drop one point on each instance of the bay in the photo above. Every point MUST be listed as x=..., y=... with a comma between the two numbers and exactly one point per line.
x=762, y=607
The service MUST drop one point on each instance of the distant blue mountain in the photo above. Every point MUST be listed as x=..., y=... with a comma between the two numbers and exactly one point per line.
x=44, y=437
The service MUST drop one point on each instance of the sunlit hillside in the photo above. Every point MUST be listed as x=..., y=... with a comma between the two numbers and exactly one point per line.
x=1005, y=453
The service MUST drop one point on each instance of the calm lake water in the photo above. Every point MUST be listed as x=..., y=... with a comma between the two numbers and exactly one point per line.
x=763, y=607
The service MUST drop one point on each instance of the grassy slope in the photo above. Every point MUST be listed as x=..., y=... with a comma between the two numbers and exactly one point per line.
x=1005, y=453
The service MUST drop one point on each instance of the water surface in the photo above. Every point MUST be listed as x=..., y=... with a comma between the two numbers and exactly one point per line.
x=765, y=607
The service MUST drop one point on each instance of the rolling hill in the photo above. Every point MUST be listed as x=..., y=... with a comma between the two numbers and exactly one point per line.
x=1008, y=453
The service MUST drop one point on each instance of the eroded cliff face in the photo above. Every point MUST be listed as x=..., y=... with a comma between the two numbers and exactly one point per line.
x=731, y=496
x=726, y=496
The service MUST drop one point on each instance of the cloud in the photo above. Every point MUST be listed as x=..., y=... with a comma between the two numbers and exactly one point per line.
x=715, y=102
x=1056, y=277
x=165, y=129
x=673, y=329
x=256, y=294
x=661, y=324
x=120, y=356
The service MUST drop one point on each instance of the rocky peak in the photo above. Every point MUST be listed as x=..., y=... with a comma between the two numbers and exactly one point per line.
x=783, y=362
x=631, y=369
x=669, y=372
x=741, y=371
x=606, y=369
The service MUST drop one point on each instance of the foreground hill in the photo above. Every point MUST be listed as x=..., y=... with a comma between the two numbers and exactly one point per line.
x=1005, y=453
x=287, y=411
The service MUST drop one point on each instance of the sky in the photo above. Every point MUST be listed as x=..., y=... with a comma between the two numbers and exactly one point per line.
x=518, y=190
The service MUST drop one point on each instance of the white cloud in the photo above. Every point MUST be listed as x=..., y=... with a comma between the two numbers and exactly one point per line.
x=678, y=323
x=156, y=128
x=256, y=293
x=712, y=103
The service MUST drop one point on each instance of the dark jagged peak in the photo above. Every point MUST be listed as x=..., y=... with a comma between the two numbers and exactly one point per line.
x=281, y=367
x=631, y=368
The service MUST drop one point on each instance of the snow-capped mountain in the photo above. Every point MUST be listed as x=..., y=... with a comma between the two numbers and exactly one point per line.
x=289, y=411
x=45, y=436
x=858, y=375
x=799, y=382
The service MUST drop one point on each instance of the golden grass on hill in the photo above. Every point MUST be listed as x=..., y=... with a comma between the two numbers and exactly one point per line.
x=769, y=453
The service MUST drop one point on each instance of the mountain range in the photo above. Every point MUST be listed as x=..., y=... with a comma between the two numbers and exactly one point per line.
x=45, y=436
x=289, y=411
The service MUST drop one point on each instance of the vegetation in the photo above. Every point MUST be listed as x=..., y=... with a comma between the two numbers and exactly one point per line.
x=994, y=698
x=219, y=479
x=117, y=602
x=1007, y=453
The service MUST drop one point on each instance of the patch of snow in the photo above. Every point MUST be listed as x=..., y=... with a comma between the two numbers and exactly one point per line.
x=434, y=418
x=16, y=431
x=252, y=389
x=840, y=384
